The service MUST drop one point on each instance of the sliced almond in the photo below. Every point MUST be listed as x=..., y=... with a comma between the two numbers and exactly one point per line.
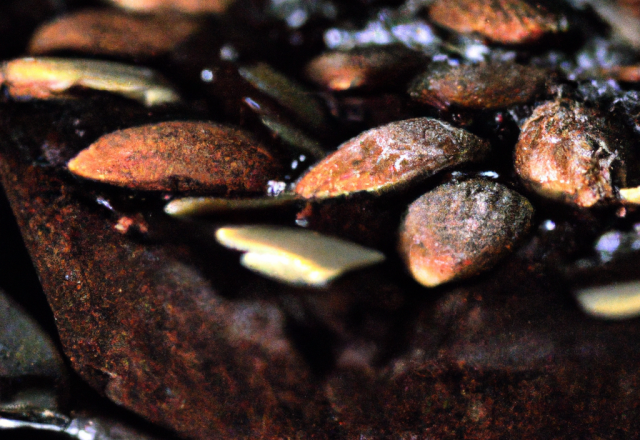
x=296, y=256
x=202, y=206
x=615, y=301
x=46, y=78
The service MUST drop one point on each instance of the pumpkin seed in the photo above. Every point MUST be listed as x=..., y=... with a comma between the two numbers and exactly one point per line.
x=288, y=93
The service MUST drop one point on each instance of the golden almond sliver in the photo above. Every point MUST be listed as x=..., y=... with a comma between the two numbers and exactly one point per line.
x=202, y=206
x=630, y=195
x=46, y=78
x=615, y=301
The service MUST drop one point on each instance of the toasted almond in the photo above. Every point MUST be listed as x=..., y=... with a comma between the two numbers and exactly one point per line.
x=573, y=153
x=504, y=21
x=112, y=32
x=179, y=156
x=365, y=67
x=479, y=86
x=391, y=156
x=459, y=230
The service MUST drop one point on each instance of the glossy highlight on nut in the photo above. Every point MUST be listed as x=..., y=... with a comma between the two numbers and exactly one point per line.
x=179, y=156
x=47, y=78
x=391, y=156
x=296, y=256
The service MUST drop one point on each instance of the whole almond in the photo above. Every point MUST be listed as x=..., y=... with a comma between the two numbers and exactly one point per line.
x=179, y=156
x=459, y=230
x=503, y=21
x=390, y=156
x=481, y=86
x=112, y=32
x=573, y=153
x=362, y=68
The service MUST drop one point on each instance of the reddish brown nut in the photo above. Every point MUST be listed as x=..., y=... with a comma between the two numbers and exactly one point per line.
x=366, y=67
x=111, y=32
x=459, y=230
x=478, y=86
x=179, y=156
x=631, y=6
x=503, y=21
x=391, y=156
x=573, y=153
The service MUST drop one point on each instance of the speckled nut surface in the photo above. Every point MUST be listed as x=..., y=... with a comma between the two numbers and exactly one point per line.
x=503, y=21
x=178, y=156
x=478, y=86
x=573, y=153
x=390, y=156
x=462, y=229
x=112, y=32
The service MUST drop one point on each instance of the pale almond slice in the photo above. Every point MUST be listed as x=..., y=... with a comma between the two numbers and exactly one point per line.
x=296, y=256
x=202, y=206
x=615, y=301
x=46, y=78
x=630, y=195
